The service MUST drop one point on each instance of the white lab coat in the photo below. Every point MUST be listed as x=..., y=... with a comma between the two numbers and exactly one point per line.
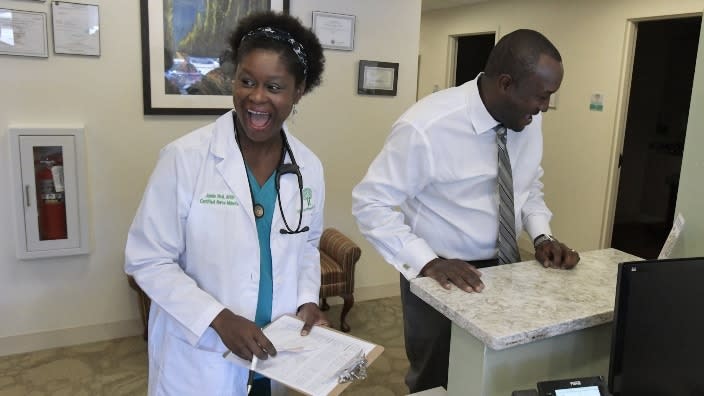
x=193, y=248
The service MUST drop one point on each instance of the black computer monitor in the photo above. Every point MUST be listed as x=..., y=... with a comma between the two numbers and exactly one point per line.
x=657, y=345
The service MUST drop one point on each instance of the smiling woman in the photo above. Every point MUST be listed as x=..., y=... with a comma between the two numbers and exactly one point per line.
x=219, y=267
x=264, y=93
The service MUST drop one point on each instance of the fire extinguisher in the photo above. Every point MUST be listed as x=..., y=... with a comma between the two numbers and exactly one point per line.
x=50, y=201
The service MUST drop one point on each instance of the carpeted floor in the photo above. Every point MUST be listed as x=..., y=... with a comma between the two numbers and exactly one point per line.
x=119, y=367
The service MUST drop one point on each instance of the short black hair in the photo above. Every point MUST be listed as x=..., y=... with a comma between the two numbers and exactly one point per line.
x=291, y=25
x=517, y=54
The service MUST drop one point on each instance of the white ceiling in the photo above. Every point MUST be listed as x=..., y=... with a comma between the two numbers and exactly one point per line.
x=437, y=4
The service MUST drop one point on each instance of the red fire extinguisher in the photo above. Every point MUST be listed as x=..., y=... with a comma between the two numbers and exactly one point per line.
x=50, y=202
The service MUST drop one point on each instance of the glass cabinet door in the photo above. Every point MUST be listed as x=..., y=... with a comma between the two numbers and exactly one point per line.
x=48, y=172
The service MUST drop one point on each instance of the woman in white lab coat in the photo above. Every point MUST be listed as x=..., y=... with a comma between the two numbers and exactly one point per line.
x=225, y=239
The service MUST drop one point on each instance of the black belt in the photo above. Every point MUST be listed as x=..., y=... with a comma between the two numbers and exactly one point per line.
x=481, y=263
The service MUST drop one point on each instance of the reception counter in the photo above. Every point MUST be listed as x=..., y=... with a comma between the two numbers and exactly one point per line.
x=529, y=323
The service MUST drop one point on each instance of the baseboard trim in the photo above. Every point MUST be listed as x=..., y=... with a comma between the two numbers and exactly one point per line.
x=12, y=345
x=371, y=293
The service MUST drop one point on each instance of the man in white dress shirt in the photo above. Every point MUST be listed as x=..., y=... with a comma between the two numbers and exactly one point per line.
x=439, y=166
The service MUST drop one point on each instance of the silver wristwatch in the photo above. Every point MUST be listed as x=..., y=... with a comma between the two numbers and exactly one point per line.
x=543, y=238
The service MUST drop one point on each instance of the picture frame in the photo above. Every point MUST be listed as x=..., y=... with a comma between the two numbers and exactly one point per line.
x=23, y=33
x=76, y=28
x=171, y=76
x=334, y=31
x=377, y=78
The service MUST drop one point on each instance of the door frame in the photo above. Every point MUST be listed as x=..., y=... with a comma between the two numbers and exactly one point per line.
x=452, y=52
x=622, y=102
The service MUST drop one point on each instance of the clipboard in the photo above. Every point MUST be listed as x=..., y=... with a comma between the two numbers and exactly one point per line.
x=311, y=365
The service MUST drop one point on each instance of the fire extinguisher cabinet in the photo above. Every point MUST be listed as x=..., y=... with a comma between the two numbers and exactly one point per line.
x=50, y=191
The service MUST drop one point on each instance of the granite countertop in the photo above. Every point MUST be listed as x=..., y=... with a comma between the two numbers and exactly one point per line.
x=524, y=302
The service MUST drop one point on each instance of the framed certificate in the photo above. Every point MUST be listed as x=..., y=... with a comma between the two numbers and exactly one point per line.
x=23, y=33
x=76, y=28
x=377, y=78
x=335, y=31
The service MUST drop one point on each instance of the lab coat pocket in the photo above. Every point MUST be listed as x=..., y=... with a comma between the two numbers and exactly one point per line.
x=187, y=370
x=292, y=216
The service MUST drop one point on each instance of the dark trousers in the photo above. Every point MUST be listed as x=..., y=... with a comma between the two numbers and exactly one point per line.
x=261, y=387
x=427, y=336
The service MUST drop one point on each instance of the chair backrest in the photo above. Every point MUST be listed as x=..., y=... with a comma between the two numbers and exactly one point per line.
x=340, y=247
x=338, y=257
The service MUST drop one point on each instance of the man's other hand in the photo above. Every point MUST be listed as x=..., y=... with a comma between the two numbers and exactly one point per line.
x=453, y=271
x=555, y=254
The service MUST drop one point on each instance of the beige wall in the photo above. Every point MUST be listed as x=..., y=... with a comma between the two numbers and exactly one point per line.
x=580, y=145
x=50, y=302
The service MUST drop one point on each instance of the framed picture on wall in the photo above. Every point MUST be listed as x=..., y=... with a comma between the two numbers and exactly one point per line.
x=23, y=33
x=76, y=28
x=335, y=31
x=377, y=78
x=186, y=66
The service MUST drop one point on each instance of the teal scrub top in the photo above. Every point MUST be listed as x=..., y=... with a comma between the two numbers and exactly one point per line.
x=265, y=196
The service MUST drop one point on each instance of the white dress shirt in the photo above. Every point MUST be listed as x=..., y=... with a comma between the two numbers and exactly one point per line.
x=439, y=167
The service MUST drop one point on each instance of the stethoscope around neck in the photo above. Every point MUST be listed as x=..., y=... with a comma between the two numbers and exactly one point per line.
x=281, y=169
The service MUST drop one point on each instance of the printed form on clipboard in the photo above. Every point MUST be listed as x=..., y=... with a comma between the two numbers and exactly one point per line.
x=313, y=364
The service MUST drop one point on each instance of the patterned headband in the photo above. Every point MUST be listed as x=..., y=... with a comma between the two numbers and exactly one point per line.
x=284, y=37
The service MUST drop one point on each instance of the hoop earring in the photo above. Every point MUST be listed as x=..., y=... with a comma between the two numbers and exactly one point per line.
x=295, y=110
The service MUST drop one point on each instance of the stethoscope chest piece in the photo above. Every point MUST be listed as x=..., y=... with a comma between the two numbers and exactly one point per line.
x=258, y=211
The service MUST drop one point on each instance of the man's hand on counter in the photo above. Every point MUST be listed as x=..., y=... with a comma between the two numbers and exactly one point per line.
x=453, y=271
x=555, y=254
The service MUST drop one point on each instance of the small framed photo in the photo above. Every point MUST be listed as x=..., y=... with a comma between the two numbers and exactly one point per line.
x=377, y=78
x=335, y=31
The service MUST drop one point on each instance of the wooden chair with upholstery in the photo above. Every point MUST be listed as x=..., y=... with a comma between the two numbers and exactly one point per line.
x=338, y=256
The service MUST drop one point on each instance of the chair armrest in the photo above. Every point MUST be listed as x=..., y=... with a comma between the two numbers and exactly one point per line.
x=340, y=248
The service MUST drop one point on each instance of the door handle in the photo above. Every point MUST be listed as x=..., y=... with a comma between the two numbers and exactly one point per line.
x=26, y=194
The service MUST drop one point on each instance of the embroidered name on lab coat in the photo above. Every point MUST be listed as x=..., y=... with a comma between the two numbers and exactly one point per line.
x=218, y=199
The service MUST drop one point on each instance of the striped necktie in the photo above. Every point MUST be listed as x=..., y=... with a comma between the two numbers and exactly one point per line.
x=506, y=241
